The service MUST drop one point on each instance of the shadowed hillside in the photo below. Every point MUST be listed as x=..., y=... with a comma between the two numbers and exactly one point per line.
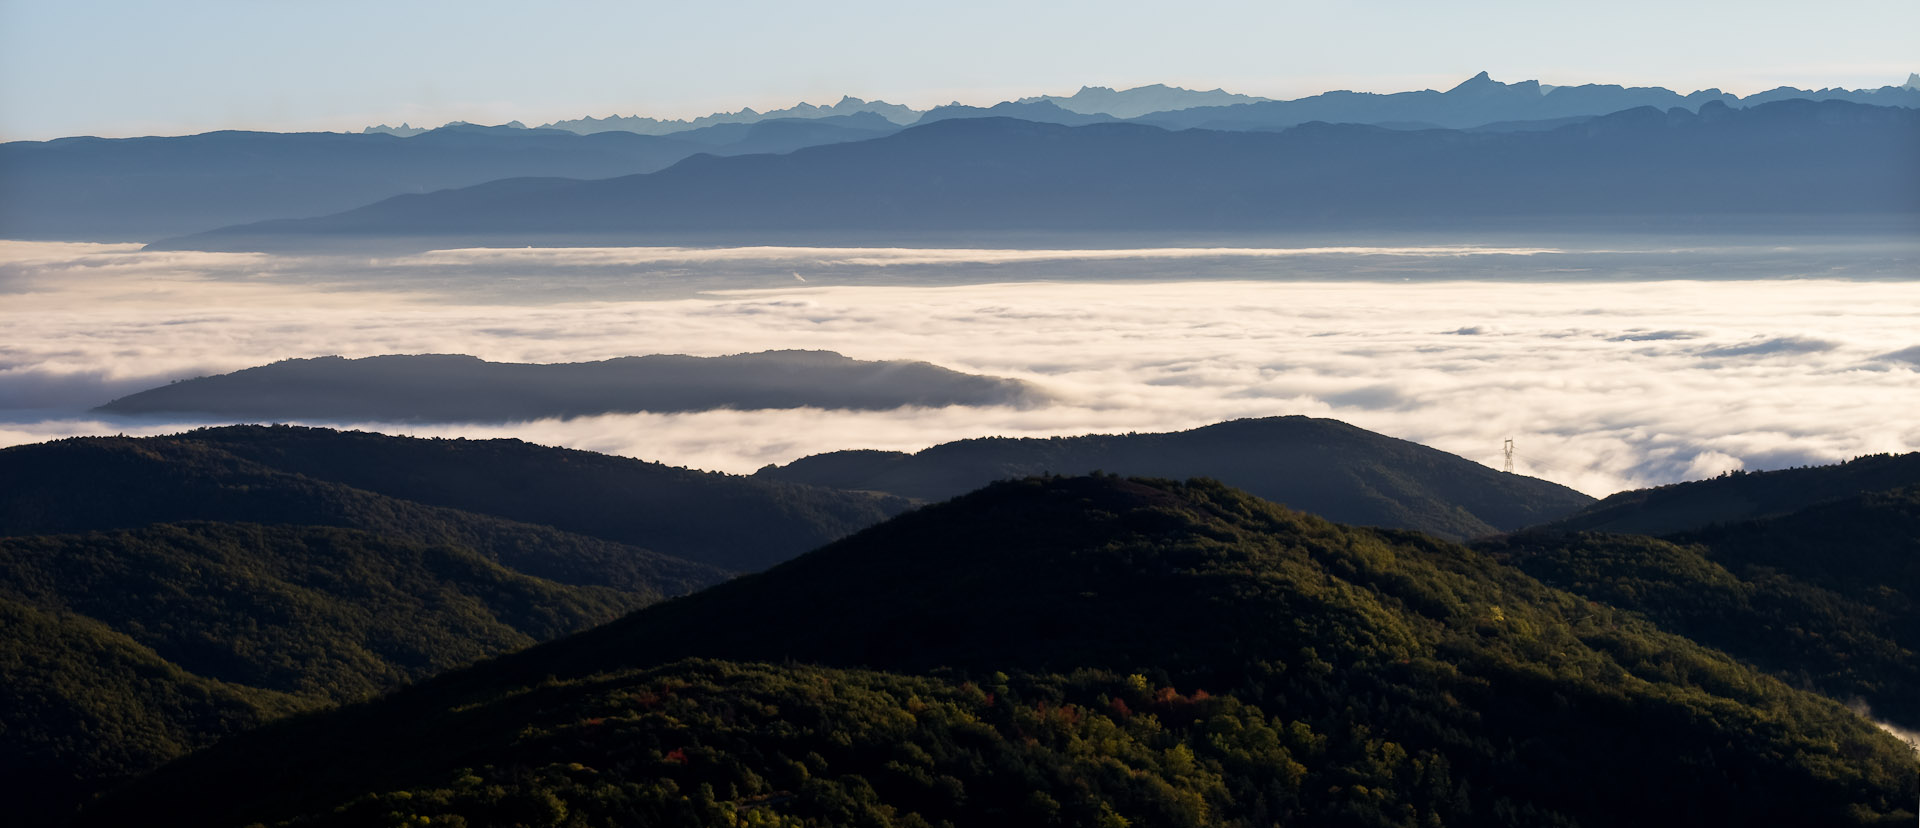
x=1083, y=650
x=1325, y=467
x=1819, y=584
x=1740, y=496
x=739, y=523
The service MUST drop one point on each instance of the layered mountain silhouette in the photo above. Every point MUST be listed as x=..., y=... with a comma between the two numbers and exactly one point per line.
x=139, y=189
x=1325, y=467
x=1076, y=650
x=847, y=105
x=1482, y=100
x=960, y=178
x=787, y=134
x=1140, y=100
x=1045, y=112
x=93, y=189
x=455, y=388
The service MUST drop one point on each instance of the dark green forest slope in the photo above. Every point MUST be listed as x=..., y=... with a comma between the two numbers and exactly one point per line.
x=1089, y=651
x=1827, y=596
x=729, y=521
x=169, y=592
x=88, y=484
x=1325, y=467
x=1740, y=496
x=124, y=649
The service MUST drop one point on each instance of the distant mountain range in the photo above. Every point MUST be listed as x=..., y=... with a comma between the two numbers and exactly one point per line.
x=141, y=189
x=848, y=105
x=957, y=179
x=1478, y=101
x=454, y=388
x=122, y=189
x=1482, y=100
x=1140, y=100
x=1325, y=467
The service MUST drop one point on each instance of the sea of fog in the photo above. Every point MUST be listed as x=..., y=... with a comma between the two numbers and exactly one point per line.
x=1611, y=362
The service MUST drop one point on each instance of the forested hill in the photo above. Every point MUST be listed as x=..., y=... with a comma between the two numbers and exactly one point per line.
x=1812, y=573
x=735, y=522
x=1740, y=496
x=1083, y=651
x=162, y=593
x=125, y=649
x=89, y=484
x=1321, y=466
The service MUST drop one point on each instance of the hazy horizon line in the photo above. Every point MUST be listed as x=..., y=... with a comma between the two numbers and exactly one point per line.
x=920, y=102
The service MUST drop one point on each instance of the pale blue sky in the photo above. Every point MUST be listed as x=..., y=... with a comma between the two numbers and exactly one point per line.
x=115, y=67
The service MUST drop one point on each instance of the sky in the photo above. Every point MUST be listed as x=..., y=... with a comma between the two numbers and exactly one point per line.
x=138, y=67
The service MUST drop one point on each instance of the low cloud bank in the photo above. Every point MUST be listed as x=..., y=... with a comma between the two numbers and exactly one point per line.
x=1602, y=385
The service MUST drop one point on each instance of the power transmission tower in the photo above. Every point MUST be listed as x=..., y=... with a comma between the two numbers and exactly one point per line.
x=1508, y=449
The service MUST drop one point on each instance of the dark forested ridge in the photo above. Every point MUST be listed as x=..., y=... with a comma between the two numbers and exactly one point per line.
x=1740, y=496
x=456, y=388
x=1321, y=466
x=103, y=483
x=164, y=591
x=1086, y=651
x=739, y=523
x=1820, y=583
x=124, y=649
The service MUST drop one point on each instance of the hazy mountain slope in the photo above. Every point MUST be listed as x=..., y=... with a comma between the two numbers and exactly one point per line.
x=1042, y=112
x=1740, y=496
x=1325, y=467
x=955, y=179
x=739, y=523
x=1140, y=100
x=1350, y=678
x=87, y=484
x=139, y=189
x=455, y=388
x=846, y=106
x=787, y=134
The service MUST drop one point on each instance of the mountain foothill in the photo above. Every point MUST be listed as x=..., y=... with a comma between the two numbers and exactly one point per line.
x=305, y=626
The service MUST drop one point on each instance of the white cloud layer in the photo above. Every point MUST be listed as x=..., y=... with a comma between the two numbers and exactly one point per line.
x=1634, y=379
